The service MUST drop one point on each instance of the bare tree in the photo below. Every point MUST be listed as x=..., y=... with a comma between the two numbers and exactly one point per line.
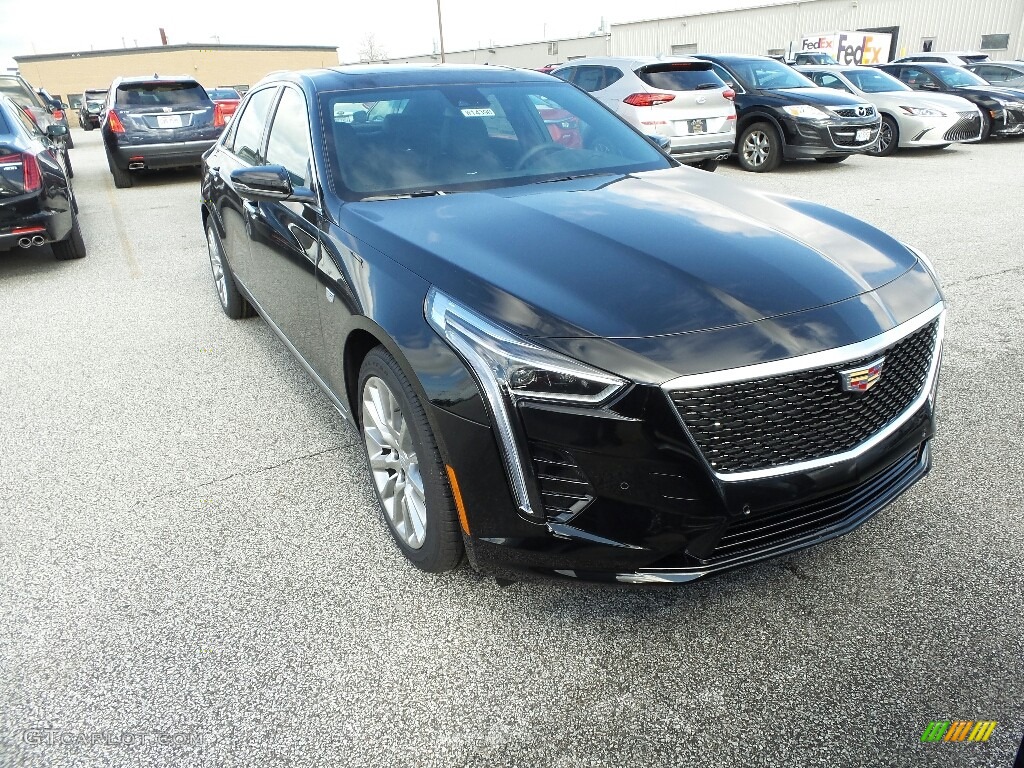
x=370, y=51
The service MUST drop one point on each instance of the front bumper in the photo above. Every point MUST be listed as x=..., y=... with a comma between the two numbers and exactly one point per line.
x=929, y=131
x=829, y=138
x=1010, y=123
x=156, y=156
x=630, y=497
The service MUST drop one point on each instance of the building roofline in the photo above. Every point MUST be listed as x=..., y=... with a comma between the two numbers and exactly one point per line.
x=754, y=7
x=157, y=48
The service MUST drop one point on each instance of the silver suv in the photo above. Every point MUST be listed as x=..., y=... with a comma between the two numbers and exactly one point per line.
x=679, y=98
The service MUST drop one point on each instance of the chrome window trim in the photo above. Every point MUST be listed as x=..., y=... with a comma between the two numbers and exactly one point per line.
x=823, y=359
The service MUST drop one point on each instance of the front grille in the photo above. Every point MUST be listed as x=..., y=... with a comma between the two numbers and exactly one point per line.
x=847, y=136
x=843, y=509
x=852, y=111
x=966, y=128
x=564, y=488
x=796, y=417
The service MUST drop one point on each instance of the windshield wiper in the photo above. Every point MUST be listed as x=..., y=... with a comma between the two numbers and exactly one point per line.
x=403, y=195
x=574, y=177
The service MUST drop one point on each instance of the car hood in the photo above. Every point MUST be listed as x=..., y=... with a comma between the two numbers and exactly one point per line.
x=992, y=91
x=945, y=101
x=651, y=254
x=825, y=97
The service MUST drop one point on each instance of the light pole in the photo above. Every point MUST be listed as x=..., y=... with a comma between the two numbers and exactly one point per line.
x=440, y=29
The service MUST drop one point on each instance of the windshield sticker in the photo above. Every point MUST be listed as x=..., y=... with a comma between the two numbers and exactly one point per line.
x=478, y=112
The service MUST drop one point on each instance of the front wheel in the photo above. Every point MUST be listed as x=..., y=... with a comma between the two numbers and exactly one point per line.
x=986, y=126
x=760, y=148
x=833, y=160
x=231, y=299
x=888, y=138
x=408, y=475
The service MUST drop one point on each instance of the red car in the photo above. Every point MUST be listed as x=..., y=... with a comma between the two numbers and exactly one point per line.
x=226, y=99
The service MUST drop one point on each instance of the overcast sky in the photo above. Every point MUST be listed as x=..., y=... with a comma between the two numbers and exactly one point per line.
x=400, y=27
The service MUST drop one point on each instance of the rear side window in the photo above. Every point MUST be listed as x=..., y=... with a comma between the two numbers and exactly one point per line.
x=4, y=128
x=19, y=94
x=680, y=77
x=160, y=94
x=594, y=78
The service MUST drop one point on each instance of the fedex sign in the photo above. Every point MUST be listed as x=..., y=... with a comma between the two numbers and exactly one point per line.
x=851, y=47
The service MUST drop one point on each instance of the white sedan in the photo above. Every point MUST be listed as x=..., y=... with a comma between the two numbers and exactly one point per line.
x=909, y=118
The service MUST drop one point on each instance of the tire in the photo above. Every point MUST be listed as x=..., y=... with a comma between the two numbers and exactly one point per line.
x=69, y=142
x=833, y=160
x=87, y=126
x=71, y=247
x=67, y=165
x=888, y=138
x=122, y=178
x=986, y=126
x=231, y=300
x=759, y=148
x=708, y=165
x=400, y=448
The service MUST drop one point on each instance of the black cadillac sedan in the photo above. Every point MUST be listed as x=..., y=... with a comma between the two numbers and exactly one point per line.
x=37, y=201
x=582, y=361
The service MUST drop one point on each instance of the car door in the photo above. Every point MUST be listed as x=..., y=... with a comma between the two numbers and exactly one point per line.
x=284, y=235
x=242, y=147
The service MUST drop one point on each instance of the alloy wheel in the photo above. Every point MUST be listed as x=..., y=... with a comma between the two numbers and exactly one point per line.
x=756, y=148
x=884, y=138
x=217, y=264
x=393, y=462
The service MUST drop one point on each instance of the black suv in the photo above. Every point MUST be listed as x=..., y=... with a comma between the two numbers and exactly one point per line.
x=157, y=122
x=784, y=116
x=91, y=110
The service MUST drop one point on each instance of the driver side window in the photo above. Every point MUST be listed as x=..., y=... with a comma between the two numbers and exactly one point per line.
x=288, y=144
x=248, y=138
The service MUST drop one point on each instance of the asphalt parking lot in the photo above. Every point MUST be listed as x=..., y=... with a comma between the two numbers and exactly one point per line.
x=193, y=571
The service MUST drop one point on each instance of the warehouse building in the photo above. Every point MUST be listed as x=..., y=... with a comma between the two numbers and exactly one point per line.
x=995, y=27
x=68, y=75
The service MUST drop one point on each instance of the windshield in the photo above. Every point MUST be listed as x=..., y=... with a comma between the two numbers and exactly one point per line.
x=874, y=81
x=769, y=74
x=954, y=77
x=450, y=138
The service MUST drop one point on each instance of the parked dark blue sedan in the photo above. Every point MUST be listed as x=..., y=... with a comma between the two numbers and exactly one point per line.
x=583, y=360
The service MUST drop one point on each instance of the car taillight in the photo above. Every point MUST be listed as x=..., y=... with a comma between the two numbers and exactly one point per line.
x=31, y=177
x=648, y=99
x=218, y=116
x=115, y=122
x=730, y=94
x=58, y=114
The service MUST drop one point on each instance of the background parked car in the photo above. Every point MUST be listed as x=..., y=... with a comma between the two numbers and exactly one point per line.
x=956, y=58
x=39, y=105
x=680, y=98
x=1002, y=109
x=783, y=115
x=37, y=201
x=1008, y=73
x=91, y=110
x=226, y=98
x=909, y=118
x=157, y=122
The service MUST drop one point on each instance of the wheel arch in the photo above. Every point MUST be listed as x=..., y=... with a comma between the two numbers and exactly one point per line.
x=759, y=117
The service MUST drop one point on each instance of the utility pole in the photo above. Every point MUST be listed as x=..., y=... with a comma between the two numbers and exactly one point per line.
x=440, y=29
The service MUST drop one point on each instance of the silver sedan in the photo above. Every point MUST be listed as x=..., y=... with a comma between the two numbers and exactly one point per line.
x=909, y=118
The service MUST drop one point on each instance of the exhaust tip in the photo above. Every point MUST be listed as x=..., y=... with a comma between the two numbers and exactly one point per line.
x=38, y=240
x=136, y=166
x=25, y=242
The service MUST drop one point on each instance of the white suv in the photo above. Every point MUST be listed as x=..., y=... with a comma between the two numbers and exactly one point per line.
x=679, y=98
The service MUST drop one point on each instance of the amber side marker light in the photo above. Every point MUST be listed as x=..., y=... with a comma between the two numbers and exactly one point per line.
x=457, y=495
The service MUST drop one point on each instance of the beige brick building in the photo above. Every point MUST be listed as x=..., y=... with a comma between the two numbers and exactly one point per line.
x=69, y=74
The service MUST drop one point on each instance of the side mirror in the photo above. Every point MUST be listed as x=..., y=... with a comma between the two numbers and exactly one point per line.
x=664, y=143
x=56, y=130
x=269, y=183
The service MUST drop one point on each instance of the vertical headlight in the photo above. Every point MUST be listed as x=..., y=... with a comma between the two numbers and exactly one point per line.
x=508, y=369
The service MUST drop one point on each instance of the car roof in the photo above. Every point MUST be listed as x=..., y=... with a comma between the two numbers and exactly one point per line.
x=359, y=76
x=631, y=61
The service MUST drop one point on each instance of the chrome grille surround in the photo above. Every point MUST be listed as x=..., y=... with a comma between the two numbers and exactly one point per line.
x=676, y=390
